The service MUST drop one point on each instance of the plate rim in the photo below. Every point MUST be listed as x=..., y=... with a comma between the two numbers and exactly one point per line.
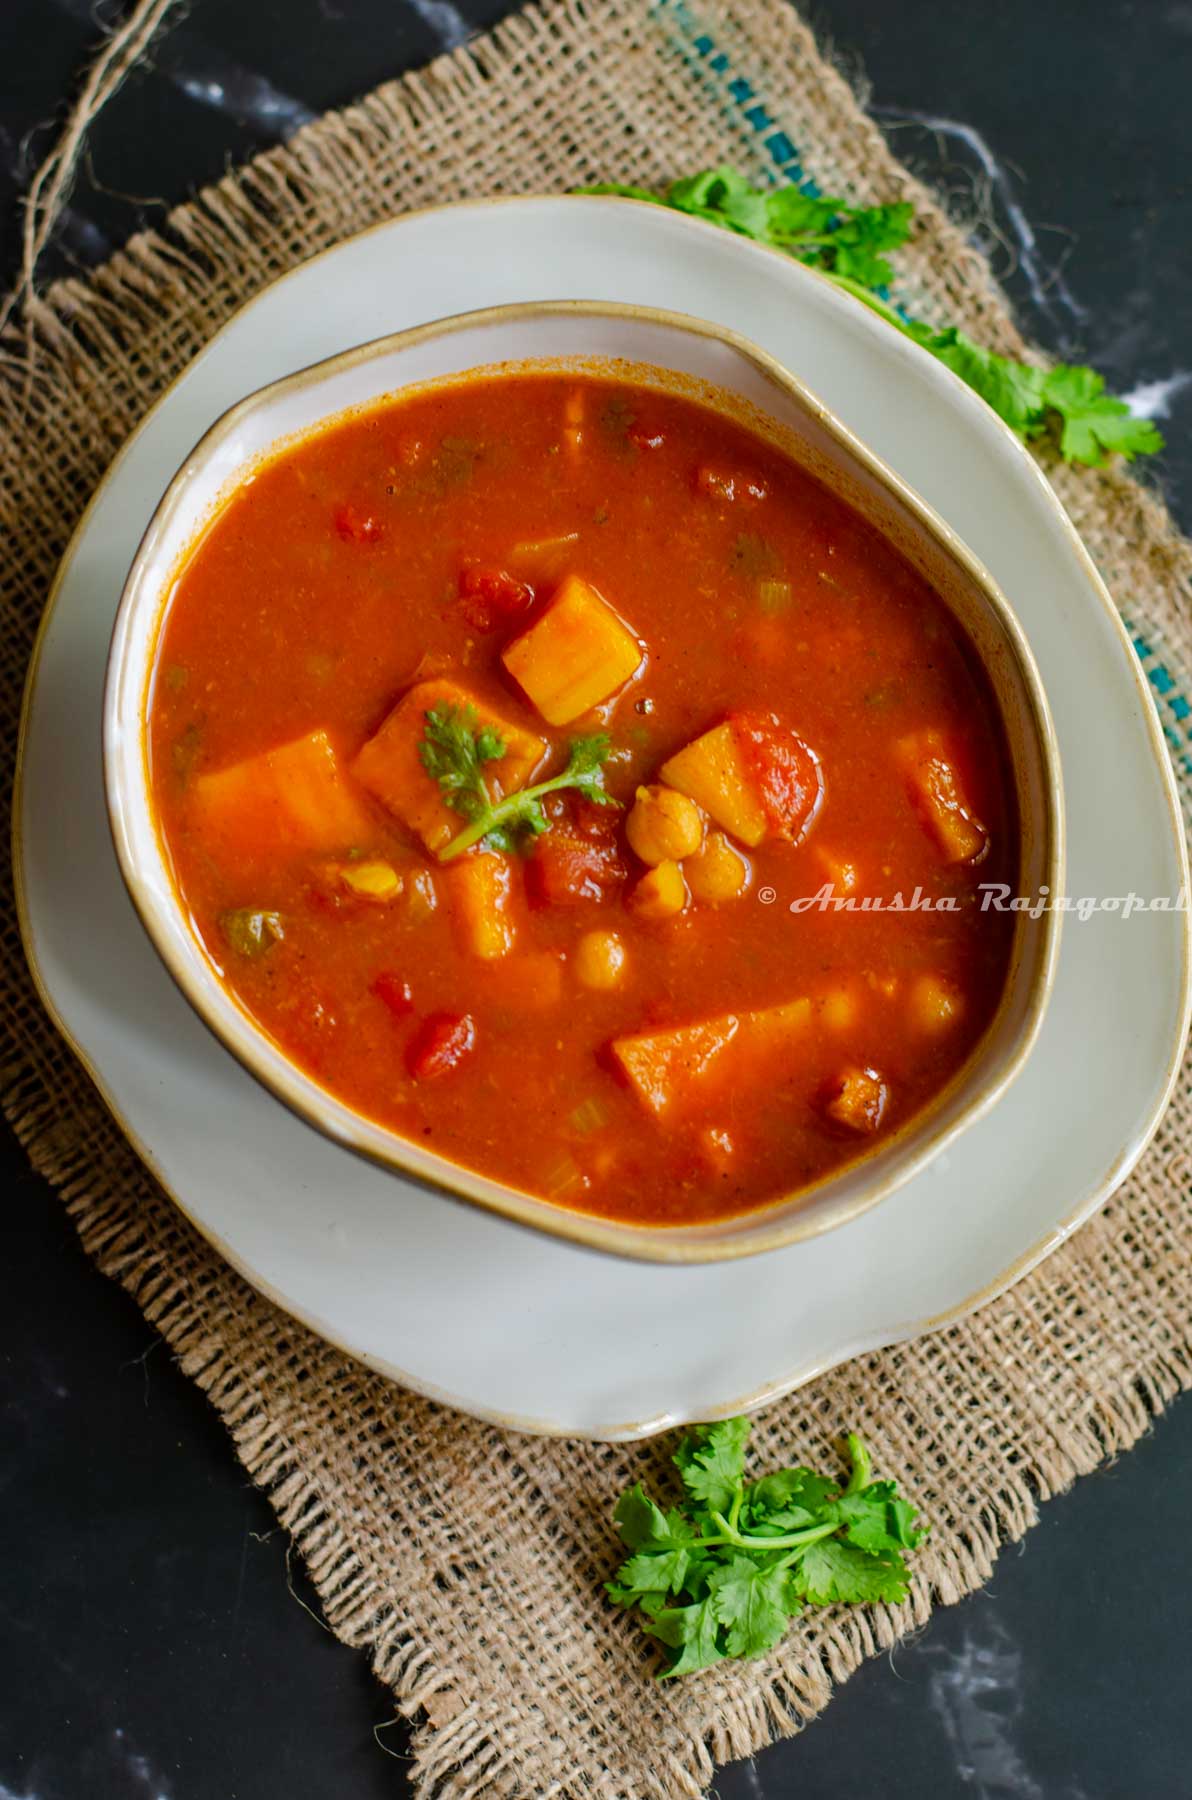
x=790, y=1381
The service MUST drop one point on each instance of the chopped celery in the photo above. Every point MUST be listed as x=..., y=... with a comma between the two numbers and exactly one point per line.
x=753, y=555
x=590, y=1115
x=565, y=1178
x=185, y=751
x=249, y=931
x=774, y=596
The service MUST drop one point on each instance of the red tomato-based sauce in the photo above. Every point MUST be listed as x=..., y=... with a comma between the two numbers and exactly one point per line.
x=623, y=1013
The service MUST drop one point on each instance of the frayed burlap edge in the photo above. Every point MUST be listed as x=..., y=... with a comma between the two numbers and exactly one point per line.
x=467, y=1561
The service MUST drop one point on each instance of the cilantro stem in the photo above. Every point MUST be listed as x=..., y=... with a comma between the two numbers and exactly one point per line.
x=859, y=1457
x=742, y=1540
x=511, y=808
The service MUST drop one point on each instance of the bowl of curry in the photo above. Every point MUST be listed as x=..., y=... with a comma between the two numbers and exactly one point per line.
x=564, y=764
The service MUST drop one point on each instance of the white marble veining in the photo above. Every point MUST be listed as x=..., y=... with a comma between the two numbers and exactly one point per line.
x=210, y=78
x=978, y=1695
x=446, y=21
x=1045, y=282
x=1152, y=399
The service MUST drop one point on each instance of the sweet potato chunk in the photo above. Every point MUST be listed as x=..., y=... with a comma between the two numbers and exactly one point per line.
x=390, y=766
x=664, y=1066
x=479, y=888
x=576, y=655
x=775, y=1028
x=296, y=796
x=712, y=771
x=668, y=1067
x=854, y=1101
x=938, y=797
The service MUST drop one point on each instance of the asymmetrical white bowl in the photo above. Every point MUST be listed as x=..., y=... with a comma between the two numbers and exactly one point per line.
x=711, y=363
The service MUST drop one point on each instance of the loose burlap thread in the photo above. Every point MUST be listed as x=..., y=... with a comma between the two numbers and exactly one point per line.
x=468, y=1561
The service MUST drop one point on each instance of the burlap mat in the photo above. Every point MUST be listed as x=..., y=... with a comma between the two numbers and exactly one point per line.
x=467, y=1562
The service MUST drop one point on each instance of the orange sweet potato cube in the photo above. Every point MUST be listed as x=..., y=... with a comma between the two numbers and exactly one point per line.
x=479, y=890
x=390, y=765
x=938, y=797
x=296, y=796
x=775, y=1028
x=711, y=771
x=575, y=655
x=663, y=1067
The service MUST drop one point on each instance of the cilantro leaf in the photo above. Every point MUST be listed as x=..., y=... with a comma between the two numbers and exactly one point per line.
x=850, y=244
x=649, y=1572
x=790, y=1491
x=753, y=1603
x=1094, y=423
x=454, y=750
x=725, y=197
x=739, y=1559
x=877, y=1519
x=640, y=1522
x=692, y=1631
x=711, y=1461
x=834, y=1570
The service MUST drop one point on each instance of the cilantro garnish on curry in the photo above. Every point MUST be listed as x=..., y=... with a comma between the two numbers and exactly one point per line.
x=495, y=730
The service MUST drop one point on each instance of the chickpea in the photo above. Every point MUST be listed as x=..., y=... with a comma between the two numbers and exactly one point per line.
x=660, y=894
x=718, y=871
x=371, y=880
x=599, y=959
x=935, y=1003
x=664, y=826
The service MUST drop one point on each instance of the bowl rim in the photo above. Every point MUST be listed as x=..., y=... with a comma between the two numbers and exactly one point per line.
x=811, y=1210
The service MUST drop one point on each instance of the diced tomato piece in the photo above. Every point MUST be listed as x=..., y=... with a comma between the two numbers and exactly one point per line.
x=566, y=869
x=490, y=598
x=728, y=485
x=645, y=437
x=356, y=527
x=395, y=993
x=440, y=1045
x=784, y=772
x=591, y=820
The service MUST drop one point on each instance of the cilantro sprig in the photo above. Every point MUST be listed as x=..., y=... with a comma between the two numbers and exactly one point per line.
x=723, y=1574
x=455, y=750
x=1067, y=402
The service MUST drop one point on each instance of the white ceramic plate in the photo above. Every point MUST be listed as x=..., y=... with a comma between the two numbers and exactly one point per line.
x=473, y=1309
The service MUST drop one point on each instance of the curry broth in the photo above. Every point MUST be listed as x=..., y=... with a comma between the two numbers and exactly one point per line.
x=337, y=578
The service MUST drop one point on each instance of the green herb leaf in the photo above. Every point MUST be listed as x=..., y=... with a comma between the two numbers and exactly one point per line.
x=455, y=751
x=1094, y=423
x=692, y=1631
x=711, y=1461
x=849, y=244
x=741, y=1558
x=834, y=1570
x=753, y=1603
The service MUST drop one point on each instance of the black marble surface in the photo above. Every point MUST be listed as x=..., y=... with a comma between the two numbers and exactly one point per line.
x=154, y=1644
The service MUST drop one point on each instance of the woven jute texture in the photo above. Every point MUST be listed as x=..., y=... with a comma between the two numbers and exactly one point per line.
x=467, y=1562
